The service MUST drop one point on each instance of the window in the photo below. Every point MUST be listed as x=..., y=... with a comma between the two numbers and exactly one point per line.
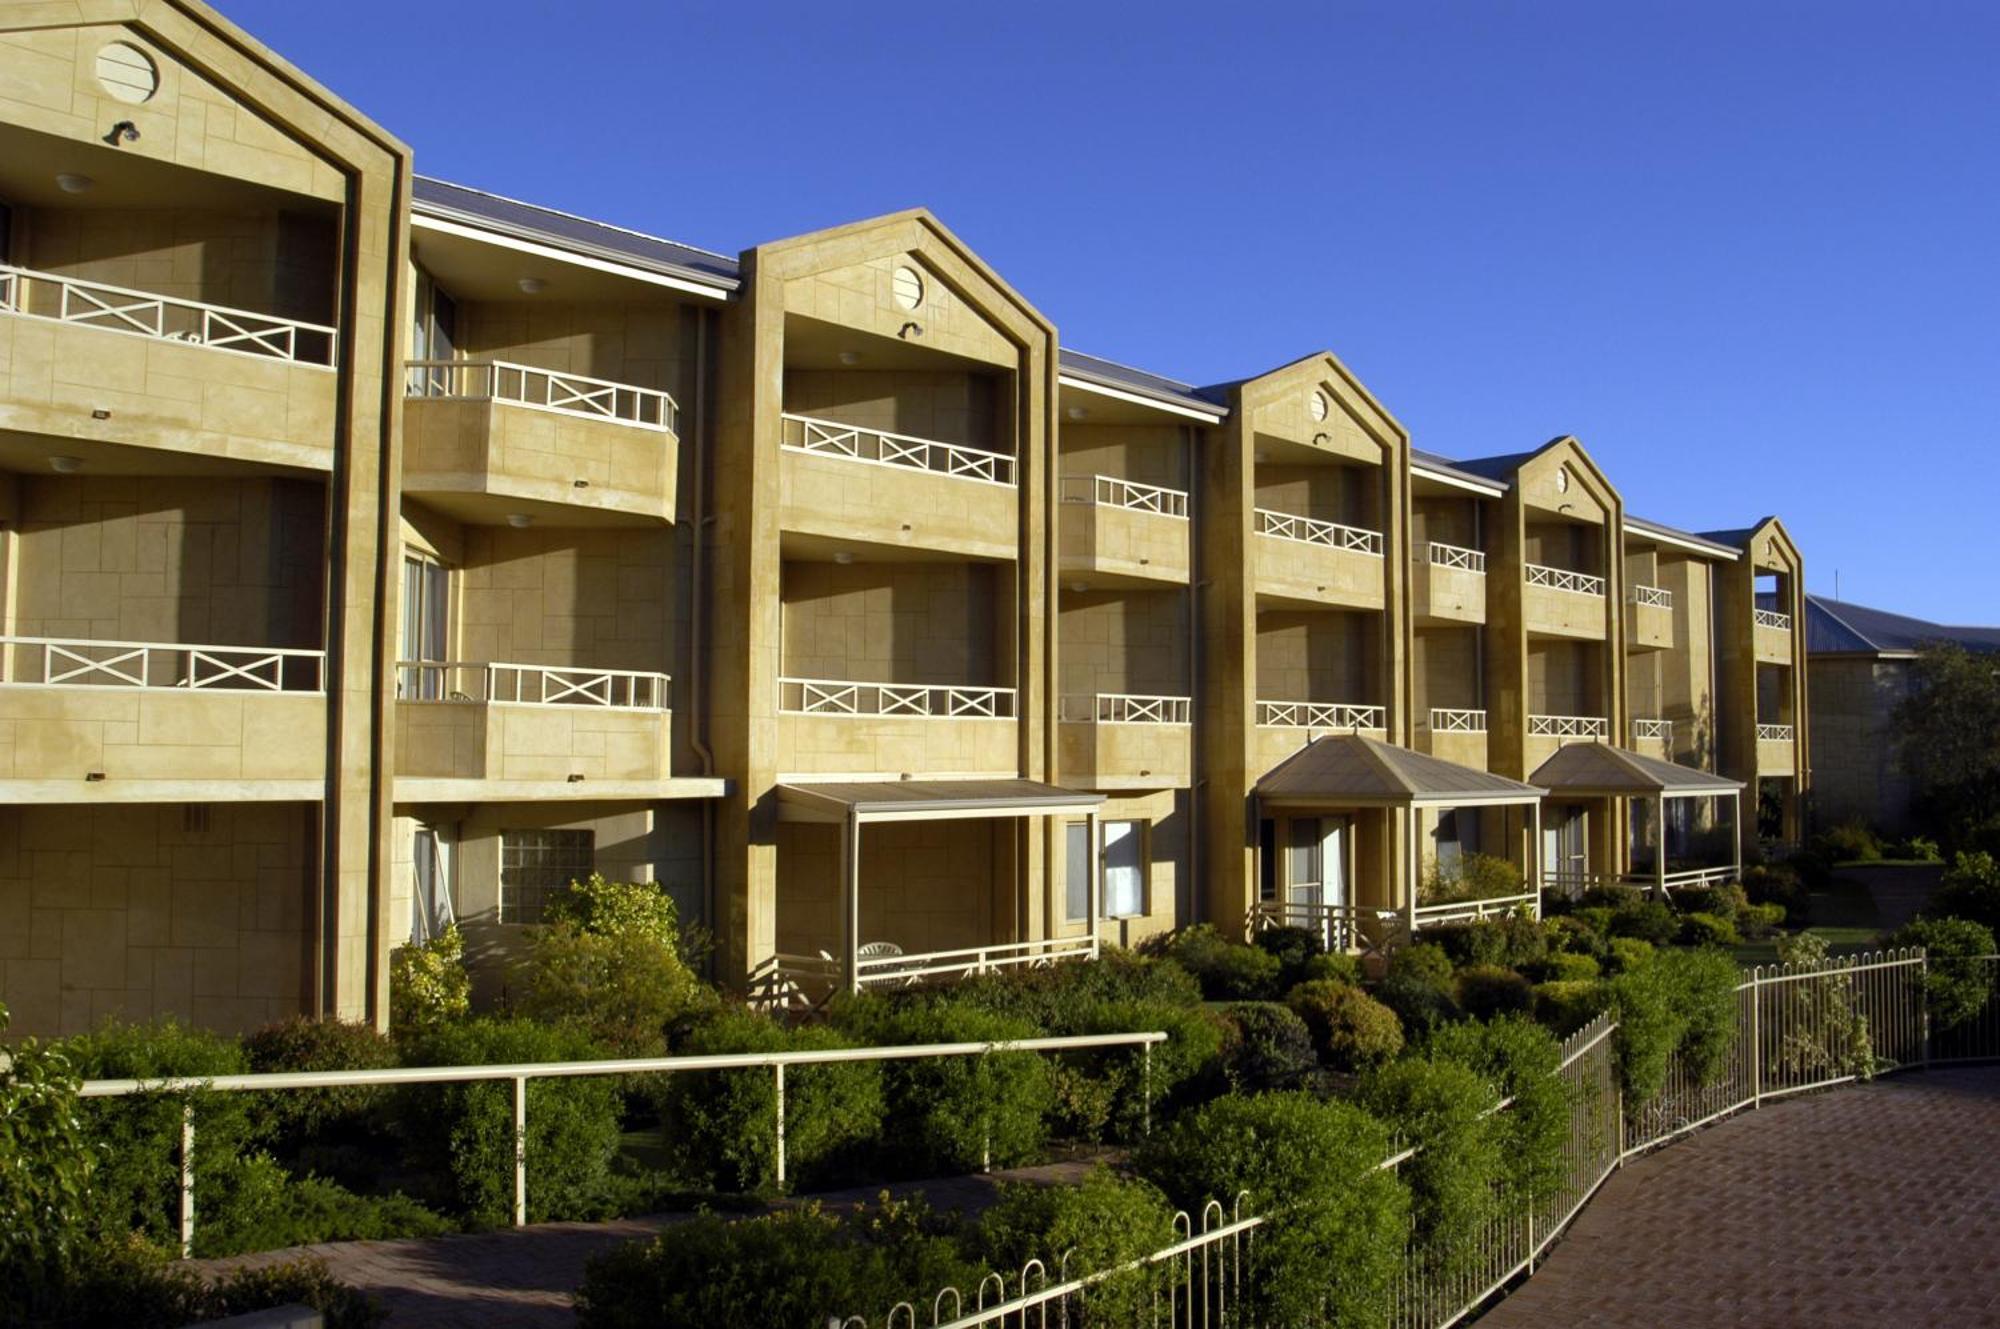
x=1076, y=871
x=536, y=864
x=426, y=627
x=1124, y=868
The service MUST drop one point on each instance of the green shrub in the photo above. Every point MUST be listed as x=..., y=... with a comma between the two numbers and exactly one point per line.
x=303, y=1282
x=46, y=1163
x=1651, y=921
x=1048, y=996
x=1419, y=989
x=1481, y=943
x=1294, y=947
x=1758, y=921
x=1331, y=969
x=1487, y=991
x=1565, y=967
x=1188, y=1062
x=1776, y=884
x=1522, y=1061
x=1102, y=1223
x=300, y=1117
x=1268, y=1047
x=1921, y=849
x=1724, y=901
x=1313, y=1167
x=126, y=1283
x=1707, y=930
x=1624, y=954
x=1969, y=889
x=1523, y=940
x=1227, y=970
x=1820, y=1030
x=616, y=909
x=1568, y=1006
x=428, y=983
x=1684, y=1002
x=1612, y=896
x=1440, y=1108
x=608, y=961
x=1852, y=841
x=1956, y=985
x=1470, y=877
x=721, y=1125
x=1424, y=962
x=1351, y=1029
x=1572, y=934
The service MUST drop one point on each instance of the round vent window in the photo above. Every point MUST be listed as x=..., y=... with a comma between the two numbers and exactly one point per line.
x=908, y=286
x=1317, y=404
x=1562, y=480
x=127, y=73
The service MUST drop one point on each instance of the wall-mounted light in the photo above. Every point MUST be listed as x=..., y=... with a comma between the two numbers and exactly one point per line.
x=520, y=521
x=1077, y=412
x=843, y=558
x=1261, y=455
x=850, y=357
x=74, y=182
x=65, y=465
x=122, y=132
x=1079, y=586
x=532, y=285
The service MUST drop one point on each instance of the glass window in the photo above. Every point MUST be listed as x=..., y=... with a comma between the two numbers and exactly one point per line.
x=536, y=864
x=1124, y=869
x=426, y=626
x=1076, y=871
x=1303, y=862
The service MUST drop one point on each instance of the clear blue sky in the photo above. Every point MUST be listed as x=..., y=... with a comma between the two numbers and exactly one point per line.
x=1749, y=252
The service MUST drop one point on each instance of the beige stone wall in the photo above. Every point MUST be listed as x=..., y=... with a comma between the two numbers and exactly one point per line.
x=923, y=512
x=596, y=597
x=1154, y=454
x=967, y=409
x=644, y=344
x=1321, y=655
x=1103, y=542
x=1312, y=573
x=897, y=622
x=454, y=446
x=1166, y=815
x=1856, y=774
x=1565, y=678
x=1445, y=665
x=470, y=740
x=1451, y=521
x=153, y=910
x=1123, y=641
x=925, y=885
x=897, y=746
x=1350, y=495
x=1114, y=755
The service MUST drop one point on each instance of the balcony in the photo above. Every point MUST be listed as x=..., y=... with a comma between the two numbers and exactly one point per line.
x=844, y=482
x=492, y=427
x=1556, y=602
x=1653, y=738
x=491, y=730
x=1455, y=735
x=1115, y=531
x=848, y=727
x=1283, y=727
x=84, y=360
x=1649, y=619
x=1449, y=585
x=1115, y=740
x=1775, y=750
x=1318, y=562
x=127, y=721
x=1773, y=636
x=1546, y=733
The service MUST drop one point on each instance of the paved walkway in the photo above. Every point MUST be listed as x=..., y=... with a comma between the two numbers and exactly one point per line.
x=1868, y=1207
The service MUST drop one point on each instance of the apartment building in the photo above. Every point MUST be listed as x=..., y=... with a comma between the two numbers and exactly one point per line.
x=377, y=552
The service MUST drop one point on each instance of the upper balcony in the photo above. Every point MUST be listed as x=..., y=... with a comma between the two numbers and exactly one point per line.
x=1547, y=733
x=1283, y=727
x=1773, y=633
x=845, y=482
x=499, y=430
x=1653, y=738
x=1557, y=602
x=130, y=721
x=1318, y=563
x=1454, y=734
x=85, y=360
x=1448, y=585
x=1116, y=740
x=1116, y=532
x=850, y=727
x=473, y=730
x=1649, y=618
x=1776, y=755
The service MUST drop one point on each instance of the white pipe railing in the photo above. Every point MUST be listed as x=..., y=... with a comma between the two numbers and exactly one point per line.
x=110, y=308
x=1652, y=596
x=1663, y=730
x=1568, y=726
x=904, y=969
x=1343, y=928
x=74, y=662
x=1562, y=579
x=1124, y=708
x=543, y=390
x=530, y=685
x=1441, y=555
x=1313, y=531
x=1469, y=911
x=805, y=433
x=1111, y=492
x=833, y=696
x=1319, y=715
x=1771, y=618
x=1448, y=720
x=1775, y=733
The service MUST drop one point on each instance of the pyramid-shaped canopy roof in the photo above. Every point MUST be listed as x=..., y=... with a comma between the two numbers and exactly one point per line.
x=1600, y=768
x=1351, y=770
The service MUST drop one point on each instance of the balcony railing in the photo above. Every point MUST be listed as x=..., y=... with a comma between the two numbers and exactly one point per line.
x=543, y=390
x=60, y=662
x=530, y=685
x=1663, y=730
x=1562, y=579
x=829, y=696
x=1653, y=596
x=1447, y=720
x=1342, y=928
x=1440, y=555
x=1319, y=715
x=1775, y=733
x=830, y=438
x=1111, y=492
x=1123, y=708
x=884, y=965
x=1771, y=618
x=1313, y=531
x=1568, y=726
x=164, y=317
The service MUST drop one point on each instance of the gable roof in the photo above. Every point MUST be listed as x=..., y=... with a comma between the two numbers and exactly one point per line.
x=1836, y=627
x=1351, y=769
x=1096, y=369
x=1600, y=768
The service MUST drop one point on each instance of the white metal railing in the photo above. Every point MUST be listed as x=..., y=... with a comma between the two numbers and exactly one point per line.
x=1652, y=596
x=530, y=685
x=1313, y=531
x=1447, y=720
x=543, y=390
x=1775, y=733
x=1771, y=618
x=804, y=433
x=163, y=317
x=1687, y=878
x=1663, y=730
x=1320, y=715
x=71, y=662
x=1568, y=726
x=1111, y=492
x=834, y=696
x=1573, y=882
x=1343, y=928
x=1562, y=579
x=1124, y=708
x=896, y=968
x=1440, y=555
x=1470, y=911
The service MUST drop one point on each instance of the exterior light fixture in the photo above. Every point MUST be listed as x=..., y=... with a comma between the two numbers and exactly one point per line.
x=850, y=357
x=1261, y=455
x=532, y=285
x=74, y=182
x=843, y=558
x=520, y=521
x=65, y=465
x=1079, y=586
x=1077, y=412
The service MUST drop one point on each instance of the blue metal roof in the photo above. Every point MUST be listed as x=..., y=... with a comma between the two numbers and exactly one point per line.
x=1836, y=627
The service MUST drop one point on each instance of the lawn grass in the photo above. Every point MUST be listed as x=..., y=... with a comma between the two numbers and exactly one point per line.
x=1843, y=915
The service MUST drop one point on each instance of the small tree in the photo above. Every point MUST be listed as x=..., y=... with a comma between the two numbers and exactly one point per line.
x=608, y=961
x=1949, y=727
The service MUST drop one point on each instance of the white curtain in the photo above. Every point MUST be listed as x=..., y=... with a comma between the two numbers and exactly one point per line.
x=1124, y=870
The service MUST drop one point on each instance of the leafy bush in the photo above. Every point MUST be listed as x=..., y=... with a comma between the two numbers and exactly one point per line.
x=1821, y=1032
x=1294, y=947
x=1227, y=970
x=1522, y=1061
x=1131, y=1082
x=1683, y=1002
x=1048, y=996
x=1651, y=921
x=1921, y=849
x=428, y=983
x=1776, y=884
x=1486, y=991
x=1267, y=1047
x=303, y=1282
x=1759, y=921
x=1956, y=985
x=1331, y=968
x=1572, y=934
x=1724, y=901
x=1524, y=941
x=1624, y=954
x=1471, y=877
x=304, y=1117
x=1565, y=967
x=1852, y=841
x=1425, y=962
x=1568, y=1006
x=1102, y=1223
x=1480, y=943
x=1969, y=889
x=1612, y=895
x=126, y=1283
x=46, y=1164
x=1707, y=930
x=1440, y=1108
x=608, y=962
x=1351, y=1029
x=615, y=909
x=1311, y=1166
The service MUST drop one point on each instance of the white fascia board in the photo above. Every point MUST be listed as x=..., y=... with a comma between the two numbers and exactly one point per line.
x=1480, y=487
x=555, y=255
x=1140, y=399
x=1701, y=547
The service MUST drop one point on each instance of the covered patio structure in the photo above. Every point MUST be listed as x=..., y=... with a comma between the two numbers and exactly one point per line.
x=1341, y=839
x=1593, y=770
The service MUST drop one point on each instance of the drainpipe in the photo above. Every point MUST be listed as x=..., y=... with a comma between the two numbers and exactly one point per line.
x=697, y=609
x=1192, y=609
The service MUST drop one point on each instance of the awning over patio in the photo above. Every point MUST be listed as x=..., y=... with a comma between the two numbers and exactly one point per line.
x=930, y=800
x=1599, y=770
x=1350, y=770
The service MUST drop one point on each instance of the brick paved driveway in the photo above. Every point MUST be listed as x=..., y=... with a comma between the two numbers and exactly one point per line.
x=1877, y=1206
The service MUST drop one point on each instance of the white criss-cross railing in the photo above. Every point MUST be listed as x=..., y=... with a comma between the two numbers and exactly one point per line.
x=1771, y=618
x=1562, y=579
x=1313, y=531
x=1108, y=491
x=830, y=438
x=1450, y=720
x=1774, y=733
x=1652, y=596
x=70, y=662
x=543, y=390
x=530, y=685
x=163, y=317
x=1319, y=715
x=832, y=696
x=1660, y=729
x=1440, y=555
x=1569, y=726
x=1123, y=708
